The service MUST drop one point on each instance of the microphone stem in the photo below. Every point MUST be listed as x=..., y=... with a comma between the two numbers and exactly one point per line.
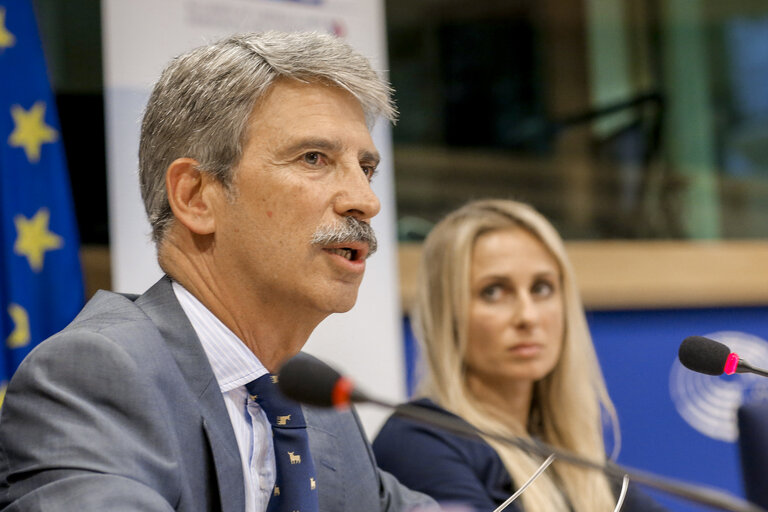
x=760, y=372
x=527, y=484
x=745, y=367
x=622, y=494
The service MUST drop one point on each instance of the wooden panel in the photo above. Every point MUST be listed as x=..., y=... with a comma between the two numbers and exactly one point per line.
x=634, y=275
x=96, y=268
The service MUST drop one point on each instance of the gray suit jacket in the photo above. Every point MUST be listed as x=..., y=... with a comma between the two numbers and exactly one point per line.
x=121, y=411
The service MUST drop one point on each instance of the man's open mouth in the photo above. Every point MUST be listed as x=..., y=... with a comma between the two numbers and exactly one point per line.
x=350, y=254
x=355, y=251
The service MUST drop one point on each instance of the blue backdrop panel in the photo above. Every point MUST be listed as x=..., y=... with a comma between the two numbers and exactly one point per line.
x=638, y=350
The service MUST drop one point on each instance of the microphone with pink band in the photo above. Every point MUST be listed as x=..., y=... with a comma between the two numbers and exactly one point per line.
x=711, y=357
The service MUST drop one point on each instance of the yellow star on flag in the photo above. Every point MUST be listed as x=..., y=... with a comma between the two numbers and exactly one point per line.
x=6, y=38
x=20, y=335
x=33, y=238
x=31, y=132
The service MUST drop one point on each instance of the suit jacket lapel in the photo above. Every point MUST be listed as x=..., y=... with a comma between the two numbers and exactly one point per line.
x=326, y=453
x=160, y=305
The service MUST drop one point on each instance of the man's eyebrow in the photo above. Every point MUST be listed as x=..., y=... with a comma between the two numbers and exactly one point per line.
x=308, y=144
x=368, y=156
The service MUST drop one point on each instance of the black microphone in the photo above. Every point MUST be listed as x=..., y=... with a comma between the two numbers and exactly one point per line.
x=306, y=379
x=711, y=357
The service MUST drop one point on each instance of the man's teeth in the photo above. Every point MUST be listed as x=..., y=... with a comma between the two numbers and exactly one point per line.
x=347, y=253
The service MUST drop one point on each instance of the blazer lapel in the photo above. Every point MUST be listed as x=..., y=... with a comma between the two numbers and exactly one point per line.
x=160, y=305
x=328, y=461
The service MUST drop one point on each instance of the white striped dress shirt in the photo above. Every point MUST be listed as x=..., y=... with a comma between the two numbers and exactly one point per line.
x=234, y=365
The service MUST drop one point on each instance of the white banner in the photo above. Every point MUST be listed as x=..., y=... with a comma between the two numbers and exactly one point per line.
x=140, y=37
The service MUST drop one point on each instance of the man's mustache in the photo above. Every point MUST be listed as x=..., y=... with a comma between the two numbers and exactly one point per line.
x=350, y=230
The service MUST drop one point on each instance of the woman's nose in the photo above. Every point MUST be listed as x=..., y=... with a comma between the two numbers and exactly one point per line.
x=526, y=312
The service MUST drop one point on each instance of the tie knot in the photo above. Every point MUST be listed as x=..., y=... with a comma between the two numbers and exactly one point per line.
x=280, y=411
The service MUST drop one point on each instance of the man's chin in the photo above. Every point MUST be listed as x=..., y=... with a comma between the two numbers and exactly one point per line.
x=338, y=296
x=345, y=305
x=343, y=302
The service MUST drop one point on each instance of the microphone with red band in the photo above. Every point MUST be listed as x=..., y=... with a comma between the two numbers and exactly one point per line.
x=711, y=357
x=309, y=381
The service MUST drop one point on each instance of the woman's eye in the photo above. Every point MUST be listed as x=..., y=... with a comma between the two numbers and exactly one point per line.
x=542, y=289
x=491, y=293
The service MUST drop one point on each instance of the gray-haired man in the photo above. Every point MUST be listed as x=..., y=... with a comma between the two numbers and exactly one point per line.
x=255, y=166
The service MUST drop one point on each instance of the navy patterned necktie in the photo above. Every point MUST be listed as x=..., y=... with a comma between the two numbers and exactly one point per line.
x=295, y=482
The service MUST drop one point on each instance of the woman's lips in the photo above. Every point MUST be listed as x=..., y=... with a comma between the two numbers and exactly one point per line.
x=526, y=349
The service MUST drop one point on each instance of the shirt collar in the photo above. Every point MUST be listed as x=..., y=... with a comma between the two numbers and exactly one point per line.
x=233, y=364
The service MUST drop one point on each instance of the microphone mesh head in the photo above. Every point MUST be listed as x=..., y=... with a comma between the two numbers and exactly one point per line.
x=703, y=355
x=307, y=380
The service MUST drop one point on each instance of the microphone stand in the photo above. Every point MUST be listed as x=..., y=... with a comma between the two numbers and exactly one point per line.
x=696, y=493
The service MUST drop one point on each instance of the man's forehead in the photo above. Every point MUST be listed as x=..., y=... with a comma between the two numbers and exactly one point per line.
x=283, y=86
x=306, y=113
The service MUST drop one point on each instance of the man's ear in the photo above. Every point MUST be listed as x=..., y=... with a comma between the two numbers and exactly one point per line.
x=186, y=186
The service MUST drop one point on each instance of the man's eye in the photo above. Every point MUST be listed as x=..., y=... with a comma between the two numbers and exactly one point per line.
x=369, y=171
x=312, y=158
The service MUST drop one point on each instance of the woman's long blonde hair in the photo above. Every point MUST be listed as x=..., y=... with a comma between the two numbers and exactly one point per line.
x=567, y=403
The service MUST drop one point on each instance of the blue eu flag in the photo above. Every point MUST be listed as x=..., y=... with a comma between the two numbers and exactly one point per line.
x=41, y=285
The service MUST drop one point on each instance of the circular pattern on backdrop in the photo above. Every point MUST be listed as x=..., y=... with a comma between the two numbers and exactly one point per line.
x=709, y=403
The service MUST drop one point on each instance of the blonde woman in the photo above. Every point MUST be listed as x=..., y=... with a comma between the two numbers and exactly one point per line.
x=508, y=350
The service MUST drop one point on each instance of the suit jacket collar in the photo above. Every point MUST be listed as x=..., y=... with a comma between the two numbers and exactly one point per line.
x=160, y=305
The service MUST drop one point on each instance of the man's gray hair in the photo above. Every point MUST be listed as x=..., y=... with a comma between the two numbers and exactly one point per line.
x=201, y=105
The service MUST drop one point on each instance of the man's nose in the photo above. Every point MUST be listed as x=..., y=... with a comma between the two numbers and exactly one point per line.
x=357, y=198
